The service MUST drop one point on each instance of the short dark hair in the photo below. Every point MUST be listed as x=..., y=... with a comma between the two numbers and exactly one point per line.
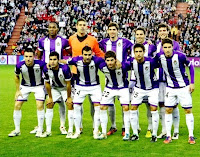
x=164, y=25
x=139, y=45
x=86, y=48
x=110, y=54
x=81, y=19
x=167, y=40
x=29, y=49
x=141, y=29
x=54, y=53
x=113, y=24
x=55, y=23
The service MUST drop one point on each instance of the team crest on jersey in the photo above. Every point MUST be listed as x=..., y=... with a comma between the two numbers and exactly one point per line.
x=119, y=44
x=175, y=62
x=118, y=73
x=146, y=68
x=37, y=70
x=92, y=67
x=61, y=76
x=58, y=44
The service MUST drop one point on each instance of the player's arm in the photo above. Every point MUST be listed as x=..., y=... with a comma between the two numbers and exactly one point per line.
x=69, y=98
x=98, y=52
x=39, y=54
x=17, y=84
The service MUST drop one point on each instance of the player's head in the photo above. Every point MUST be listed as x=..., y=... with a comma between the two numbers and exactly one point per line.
x=87, y=54
x=53, y=29
x=163, y=31
x=113, y=29
x=53, y=59
x=167, y=45
x=81, y=27
x=29, y=55
x=110, y=58
x=139, y=51
x=140, y=35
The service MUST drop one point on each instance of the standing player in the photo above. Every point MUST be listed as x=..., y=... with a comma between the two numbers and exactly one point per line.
x=58, y=85
x=32, y=81
x=178, y=86
x=87, y=83
x=146, y=85
x=140, y=37
x=116, y=85
x=49, y=44
x=163, y=33
x=122, y=47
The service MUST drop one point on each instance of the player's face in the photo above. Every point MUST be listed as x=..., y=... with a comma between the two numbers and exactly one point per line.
x=163, y=32
x=81, y=28
x=140, y=36
x=111, y=62
x=113, y=32
x=53, y=61
x=87, y=56
x=168, y=49
x=53, y=29
x=29, y=58
x=139, y=54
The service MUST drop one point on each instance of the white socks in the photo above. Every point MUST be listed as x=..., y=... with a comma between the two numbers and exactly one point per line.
x=70, y=120
x=17, y=115
x=155, y=122
x=190, y=123
x=49, y=118
x=96, y=118
x=62, y=112
x=77, y=117
x=176, y=119
x=112, y=112
x=104, y=120
x=134, y=121
x=162, y=118
x=149, y=116
x=40, y=116
x=127, y=122
x=168, y=123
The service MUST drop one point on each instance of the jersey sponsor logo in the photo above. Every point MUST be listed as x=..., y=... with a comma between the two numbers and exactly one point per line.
x=119, y=44
x=61, y=76
x=175, y=62
x=58, y=44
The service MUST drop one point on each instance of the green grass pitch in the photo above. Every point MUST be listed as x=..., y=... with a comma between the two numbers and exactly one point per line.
x=57, y=145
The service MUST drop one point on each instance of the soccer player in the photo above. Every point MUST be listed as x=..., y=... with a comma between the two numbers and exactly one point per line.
x=57, y=83
x=146, y=85
x=49, y=44
x=87, y=83
x=163, y=33
x=116, y=85
x=140, y=37
x=178, y=86
x=122, y=47
x=32, y=81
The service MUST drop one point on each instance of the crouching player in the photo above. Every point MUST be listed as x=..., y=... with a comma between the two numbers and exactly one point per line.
x=146, y=85
x=58, y=85
x=116, y=85
x=31, y=71
x=178, y=86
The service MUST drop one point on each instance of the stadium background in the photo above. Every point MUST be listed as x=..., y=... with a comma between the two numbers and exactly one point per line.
x=22, y=23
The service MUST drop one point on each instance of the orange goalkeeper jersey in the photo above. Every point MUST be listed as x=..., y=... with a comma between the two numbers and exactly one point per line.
x=77, y=47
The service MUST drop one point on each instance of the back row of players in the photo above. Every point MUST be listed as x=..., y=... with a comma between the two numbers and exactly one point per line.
x=166, y=55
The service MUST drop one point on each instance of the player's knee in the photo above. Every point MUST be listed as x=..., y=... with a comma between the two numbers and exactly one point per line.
x=103, y=107
x=70, y=106
x=125, y=107
x=168, y=110
x=188, y=111
x=50, y=106
x=161, y=104
x=134, y=107
x=18, y=105
x=153, y=108
x=96, y=104
x=40, y=105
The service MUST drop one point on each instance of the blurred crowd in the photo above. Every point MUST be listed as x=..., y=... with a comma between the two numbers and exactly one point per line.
x=129, y=14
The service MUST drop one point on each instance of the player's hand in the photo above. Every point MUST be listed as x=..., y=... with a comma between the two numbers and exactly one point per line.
x=50, y=103
x=191, y=88
x=48, y=66
x=63, y=61
x=149, y=42
x=69, y=100
x=17, y=94
x=118, y=64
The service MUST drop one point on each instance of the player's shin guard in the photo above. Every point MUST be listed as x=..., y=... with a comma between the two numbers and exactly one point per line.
x=155, y=122
x=190, y=123
x=81, y=122
x=77, y=117
x=17, y=115
x=138, y=113
x=127, y=122
x=134, y=121
x=91, y=109
x=49, y=118
x=112, y=112
x=149, y=116
x=176, y=119
x=104, y=120
x=40, y=116
x=70, y=120
x=96, y=118
x=162, y=118
x=62, y=111
x=168, y=123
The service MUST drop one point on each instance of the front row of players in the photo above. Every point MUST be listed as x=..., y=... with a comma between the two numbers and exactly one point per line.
x=57, y=82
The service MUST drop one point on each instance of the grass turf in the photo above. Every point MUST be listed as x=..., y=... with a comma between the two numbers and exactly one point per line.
x=57, y=145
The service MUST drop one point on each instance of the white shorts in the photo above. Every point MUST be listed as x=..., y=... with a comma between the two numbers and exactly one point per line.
x=37, y=90
x=139, y=94
x=181, y=94
x=162, y=91
x=108, y=96
x=82, y=91
x=58, y=93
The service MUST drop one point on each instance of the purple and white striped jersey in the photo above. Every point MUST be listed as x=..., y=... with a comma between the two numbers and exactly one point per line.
x=87, y=73
x=149, y=52
x=117, y=78
x=31, y=76
x=48, y=45
x=160, y=72
x=58, y=77
x=120, y=47
x=144, y=73
x=174, y=68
